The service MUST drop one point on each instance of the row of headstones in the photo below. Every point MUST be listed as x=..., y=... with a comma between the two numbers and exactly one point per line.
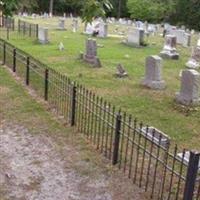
x=190, y=79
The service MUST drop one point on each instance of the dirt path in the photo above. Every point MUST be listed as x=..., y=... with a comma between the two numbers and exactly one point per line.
x=32, y=169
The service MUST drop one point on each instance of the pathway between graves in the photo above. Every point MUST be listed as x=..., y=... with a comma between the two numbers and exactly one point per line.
x=41, y=159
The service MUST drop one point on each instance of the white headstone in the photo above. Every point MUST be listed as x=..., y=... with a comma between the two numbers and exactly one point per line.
x=186, y=40
x=136, y=37
x=43, y=35
x=61, y=46
x=103, y=30
x=169, y=50
x=190, y=88
x=194, y=61
x=61, y=24
x=153, y=73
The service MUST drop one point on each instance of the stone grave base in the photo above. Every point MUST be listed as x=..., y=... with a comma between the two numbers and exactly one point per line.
x=192, y=64
x=186, y=101
x=43, y=41
x=156, y=85
x=119, y=75
x=93, y=61
x=169, y=55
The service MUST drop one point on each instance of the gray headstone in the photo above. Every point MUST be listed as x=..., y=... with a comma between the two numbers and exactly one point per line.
x=194, y=61
x=43, y=35
x=121, y=72
x=103, y=30
x=135, y=37
x=153, y=73
x=190, y=88
x=186, y=40
x=91, y=53
x=74, y=25
x=169, y=50
x=61, y=24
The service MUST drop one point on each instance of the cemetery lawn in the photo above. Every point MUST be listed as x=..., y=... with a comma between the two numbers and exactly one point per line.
x=155, y=108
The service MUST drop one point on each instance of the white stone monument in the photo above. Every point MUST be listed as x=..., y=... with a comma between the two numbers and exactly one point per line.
x=61, y=24
x=186, y=40
x=169, y=50
x=153, y=73
x=194, y=61
x=74, y=25
x=91, y=53
x=190, y=88
x=135, y=37
x=43, y=35
x=103, y=30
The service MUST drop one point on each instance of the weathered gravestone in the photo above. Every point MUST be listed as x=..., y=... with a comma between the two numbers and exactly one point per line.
x=74, y=25
x=43, y=35
x=61, y=24
x=190, y=88
x=91, y=53
x=186, y=40
x=198, y=42
x=61, y=46
x=194, y=61
x=169, y=50
x=153, y=73
x=135, y=37
x=121, y=72
x=179, y=35
x=103, y=30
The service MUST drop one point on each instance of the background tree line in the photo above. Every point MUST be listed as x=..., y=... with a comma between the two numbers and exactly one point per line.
x=179, y=12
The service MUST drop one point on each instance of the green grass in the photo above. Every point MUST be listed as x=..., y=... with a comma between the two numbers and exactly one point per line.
x=156, y=108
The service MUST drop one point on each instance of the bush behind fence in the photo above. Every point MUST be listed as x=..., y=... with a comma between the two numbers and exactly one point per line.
x=149, y=163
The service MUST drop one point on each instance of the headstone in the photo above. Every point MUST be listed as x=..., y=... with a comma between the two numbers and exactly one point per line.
x=153, y=73
x=190, y=88
x=186, y=40
x=91, y=53
x=194, y=61
x=61, y=24
x=198, y=42
x=103, y=30
x=74, y=25
x=135, y=37
x=61, y=46
x=43, y=35
x=121, y=72
x=89, y=29
x=157, y=136
x=169, y=50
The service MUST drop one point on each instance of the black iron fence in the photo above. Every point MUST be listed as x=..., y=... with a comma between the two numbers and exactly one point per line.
x=7, y=22
x=141, y=152
x=27, y=29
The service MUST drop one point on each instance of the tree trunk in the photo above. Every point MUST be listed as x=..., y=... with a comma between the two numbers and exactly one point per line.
x=119, y=9
x=51, y=8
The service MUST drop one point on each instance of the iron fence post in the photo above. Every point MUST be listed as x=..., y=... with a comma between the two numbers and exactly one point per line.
x=73, y=112
x=191, y=175
x=14, y=60
x=37, y=29
x=46, y=87
x=117, y=139
x=7, y=32
x=4, y=53
x=27, y=70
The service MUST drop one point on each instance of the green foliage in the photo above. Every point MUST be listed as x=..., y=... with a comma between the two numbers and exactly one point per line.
x=149, y=10
x=95, y=8
x=8, y=6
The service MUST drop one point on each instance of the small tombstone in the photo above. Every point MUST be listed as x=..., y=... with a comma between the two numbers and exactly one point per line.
x=121, y=72
x=135, y=37
x=74, y=25
x=186, y=40
x=103, y=30
x=61, y=46
x=91, y=53
x=179, y=36
x=194, y=61
x=157, y=136
x=190, y=88
x=153, y=73
x=43, y=35
x=185, y=157
x=61, y=24
x=169, y=50
x=198, y=42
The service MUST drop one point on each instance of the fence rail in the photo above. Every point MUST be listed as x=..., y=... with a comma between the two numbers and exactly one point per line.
x=28, y=29
x=127, y=143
